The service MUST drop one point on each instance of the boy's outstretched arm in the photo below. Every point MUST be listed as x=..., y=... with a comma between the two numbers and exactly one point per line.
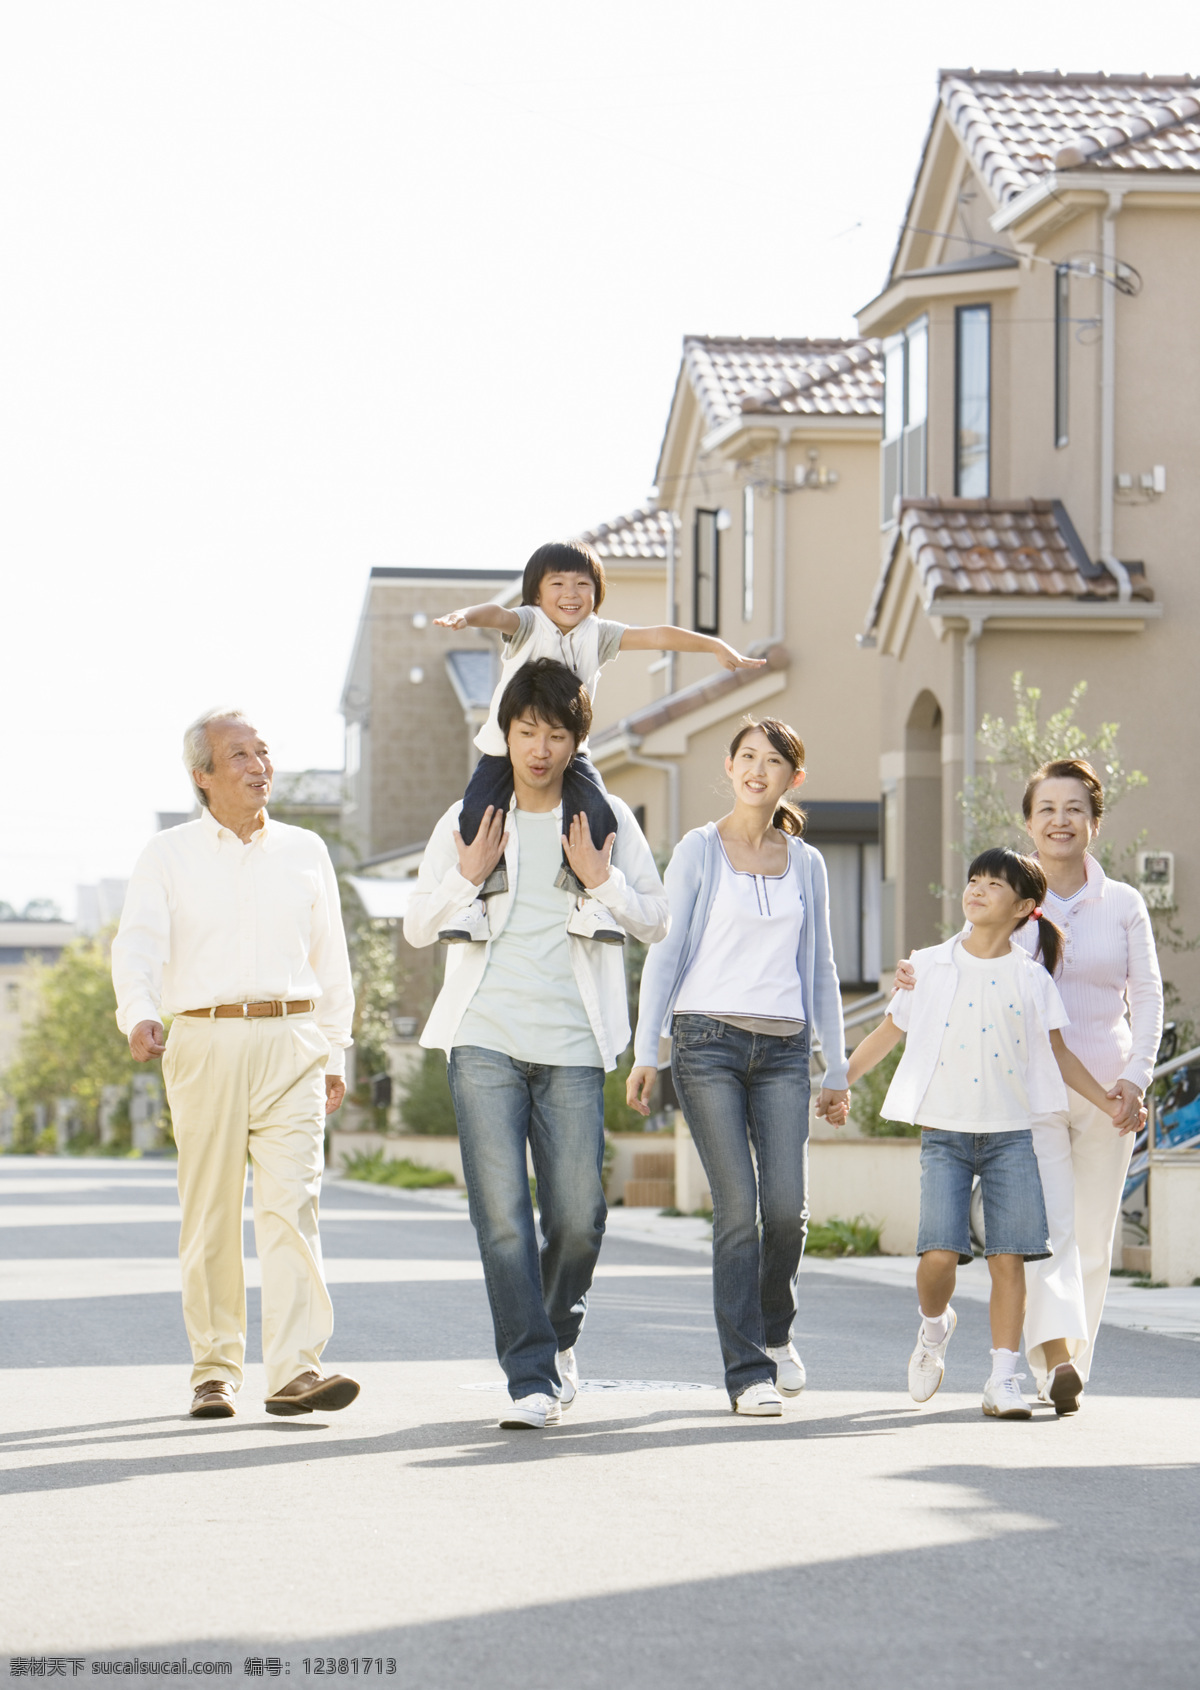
x=872, y=1050
x=481, y=616
x=1081, y=1081
x=669, y=638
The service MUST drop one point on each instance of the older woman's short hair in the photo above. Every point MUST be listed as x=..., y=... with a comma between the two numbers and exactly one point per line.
x=197, y=746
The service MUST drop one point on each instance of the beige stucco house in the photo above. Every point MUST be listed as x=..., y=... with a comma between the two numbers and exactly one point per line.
x=1039, y=506
x=767, y=498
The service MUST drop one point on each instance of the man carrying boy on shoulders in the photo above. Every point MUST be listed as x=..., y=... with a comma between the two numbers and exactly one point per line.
x=530, y=1021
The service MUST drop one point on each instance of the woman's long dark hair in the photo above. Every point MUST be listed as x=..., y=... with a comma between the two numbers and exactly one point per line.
x=788, y=817
x=1027, y=881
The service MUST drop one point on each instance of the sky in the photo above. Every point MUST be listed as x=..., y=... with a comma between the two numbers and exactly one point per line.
x=295, y=289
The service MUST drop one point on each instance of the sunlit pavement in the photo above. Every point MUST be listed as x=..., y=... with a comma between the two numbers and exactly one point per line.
x=652, y=1540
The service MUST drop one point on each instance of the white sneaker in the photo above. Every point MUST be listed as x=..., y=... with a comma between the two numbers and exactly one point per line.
x=1002, y=1399
x=790, y=1377
x=927, y=1364
x=761, y=1399
x=590, y=920
x=530, y=1414
x=1063, y=1388
x=471, y=924
x=568, y=1373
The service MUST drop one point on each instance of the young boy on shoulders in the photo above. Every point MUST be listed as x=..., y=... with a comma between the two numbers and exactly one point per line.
x=562, y=589
x=984, y=1056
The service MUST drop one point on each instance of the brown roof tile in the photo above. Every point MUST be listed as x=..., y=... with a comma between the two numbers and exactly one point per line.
x=663, y=710
x=998, y=548
x=794, y=377
x=1015, y=125
x=640, y=535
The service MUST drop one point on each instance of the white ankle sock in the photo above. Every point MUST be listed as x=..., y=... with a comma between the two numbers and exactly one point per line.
x=1004, y=1365
x=934, y=1328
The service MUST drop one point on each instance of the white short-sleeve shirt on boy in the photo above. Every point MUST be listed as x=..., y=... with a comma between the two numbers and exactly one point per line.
x=585, y=650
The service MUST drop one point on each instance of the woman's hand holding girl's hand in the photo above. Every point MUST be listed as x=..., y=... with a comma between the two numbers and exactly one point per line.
x=833, y=1106
x=906, y=976
x=638, y=1087
x=1130, y=1114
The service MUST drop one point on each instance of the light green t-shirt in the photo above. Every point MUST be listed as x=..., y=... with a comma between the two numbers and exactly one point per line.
x=528, y=1005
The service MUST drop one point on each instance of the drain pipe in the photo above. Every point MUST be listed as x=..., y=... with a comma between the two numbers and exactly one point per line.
x=970, y=641
x=779, y=637
x=673, y=525
x=664, y=766
x=1108, y=398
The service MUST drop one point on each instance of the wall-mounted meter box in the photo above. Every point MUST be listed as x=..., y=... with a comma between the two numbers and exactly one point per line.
x=1156, y=878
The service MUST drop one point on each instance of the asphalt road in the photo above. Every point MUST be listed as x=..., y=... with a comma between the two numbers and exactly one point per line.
x=652, y=1540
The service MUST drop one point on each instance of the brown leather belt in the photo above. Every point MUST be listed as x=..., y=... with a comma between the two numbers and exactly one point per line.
x=252, y=1011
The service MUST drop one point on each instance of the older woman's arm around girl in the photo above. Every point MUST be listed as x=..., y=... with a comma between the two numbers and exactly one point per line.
x=747, y=968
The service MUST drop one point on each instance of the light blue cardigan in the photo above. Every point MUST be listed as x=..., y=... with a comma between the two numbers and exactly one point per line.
x=691, y=880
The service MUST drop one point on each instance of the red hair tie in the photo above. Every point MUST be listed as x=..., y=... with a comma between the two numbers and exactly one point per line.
x=1037, y=915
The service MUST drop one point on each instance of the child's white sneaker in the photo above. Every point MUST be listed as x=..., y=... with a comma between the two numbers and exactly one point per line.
x=590, y=920
x=790, y=1377
x=763, y=1400
x=927, y=1363
x=471, y=924
x=1002, y=1399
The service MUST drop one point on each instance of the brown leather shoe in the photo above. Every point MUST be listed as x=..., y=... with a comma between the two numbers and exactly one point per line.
x=213, y=1400
x=310, y=1391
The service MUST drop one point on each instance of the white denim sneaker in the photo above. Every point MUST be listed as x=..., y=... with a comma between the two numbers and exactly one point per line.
x=1002, y=1399
x=590, y=920
x=927, y=1363
x=471, y=924
x=761, y=1399
x=568, y=1373
x=790, y=1377
x=530, y=1414
x=1063, y=1388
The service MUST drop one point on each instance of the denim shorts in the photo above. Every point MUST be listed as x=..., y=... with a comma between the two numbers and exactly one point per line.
x=1013, y=1208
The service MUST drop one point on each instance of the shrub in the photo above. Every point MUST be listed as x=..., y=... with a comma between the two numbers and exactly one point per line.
x=843, y=1238
x=371, y=1166
x=425, y=1102
x=867, y=1100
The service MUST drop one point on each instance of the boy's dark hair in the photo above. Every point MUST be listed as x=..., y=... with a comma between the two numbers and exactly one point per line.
x=1027, y=881
x=551, y=692
x=575, y=556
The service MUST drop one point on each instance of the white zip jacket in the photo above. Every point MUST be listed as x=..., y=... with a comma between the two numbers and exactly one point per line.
x=633, y=894
x=921, y=1014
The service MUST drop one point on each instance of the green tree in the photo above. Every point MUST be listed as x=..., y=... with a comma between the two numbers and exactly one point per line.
x=425, y=1102
x=72, y=1047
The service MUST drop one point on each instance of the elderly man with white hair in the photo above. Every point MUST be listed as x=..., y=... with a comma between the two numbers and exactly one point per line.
x=232, y=926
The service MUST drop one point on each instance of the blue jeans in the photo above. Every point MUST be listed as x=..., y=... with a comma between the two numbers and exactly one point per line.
x=583, y=791
x=538, y=1298
x=737, y=1089
x=1014, y=1211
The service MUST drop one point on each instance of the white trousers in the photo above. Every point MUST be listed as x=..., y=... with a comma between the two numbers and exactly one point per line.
x=237, y=1089
x=1083, y=1161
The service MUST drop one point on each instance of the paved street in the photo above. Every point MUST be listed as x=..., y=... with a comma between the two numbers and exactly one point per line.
x=652, y=1540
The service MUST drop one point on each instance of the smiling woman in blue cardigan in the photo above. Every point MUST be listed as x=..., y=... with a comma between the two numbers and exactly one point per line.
x=744, y=973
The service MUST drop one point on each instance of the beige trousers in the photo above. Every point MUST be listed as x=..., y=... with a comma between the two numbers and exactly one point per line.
x=256, y=1088
x=1083, y=1161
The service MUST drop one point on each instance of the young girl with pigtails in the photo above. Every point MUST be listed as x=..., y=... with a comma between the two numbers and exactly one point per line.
x=984, y=1057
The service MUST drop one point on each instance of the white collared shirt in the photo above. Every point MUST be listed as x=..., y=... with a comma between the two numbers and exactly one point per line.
x=924, y=1014
x=633, y=894
x=210, y=920
x=1109, y=979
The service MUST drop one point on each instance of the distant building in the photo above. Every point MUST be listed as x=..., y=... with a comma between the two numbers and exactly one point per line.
x=99, y=906
x=23, y=944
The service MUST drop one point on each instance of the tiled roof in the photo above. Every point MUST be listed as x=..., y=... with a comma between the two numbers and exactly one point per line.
x=793, y=377
x=663, y=710
x=473, y=676
x=640, y=535
x=1022, y=548
x=308, y=789
x=1018, y=126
